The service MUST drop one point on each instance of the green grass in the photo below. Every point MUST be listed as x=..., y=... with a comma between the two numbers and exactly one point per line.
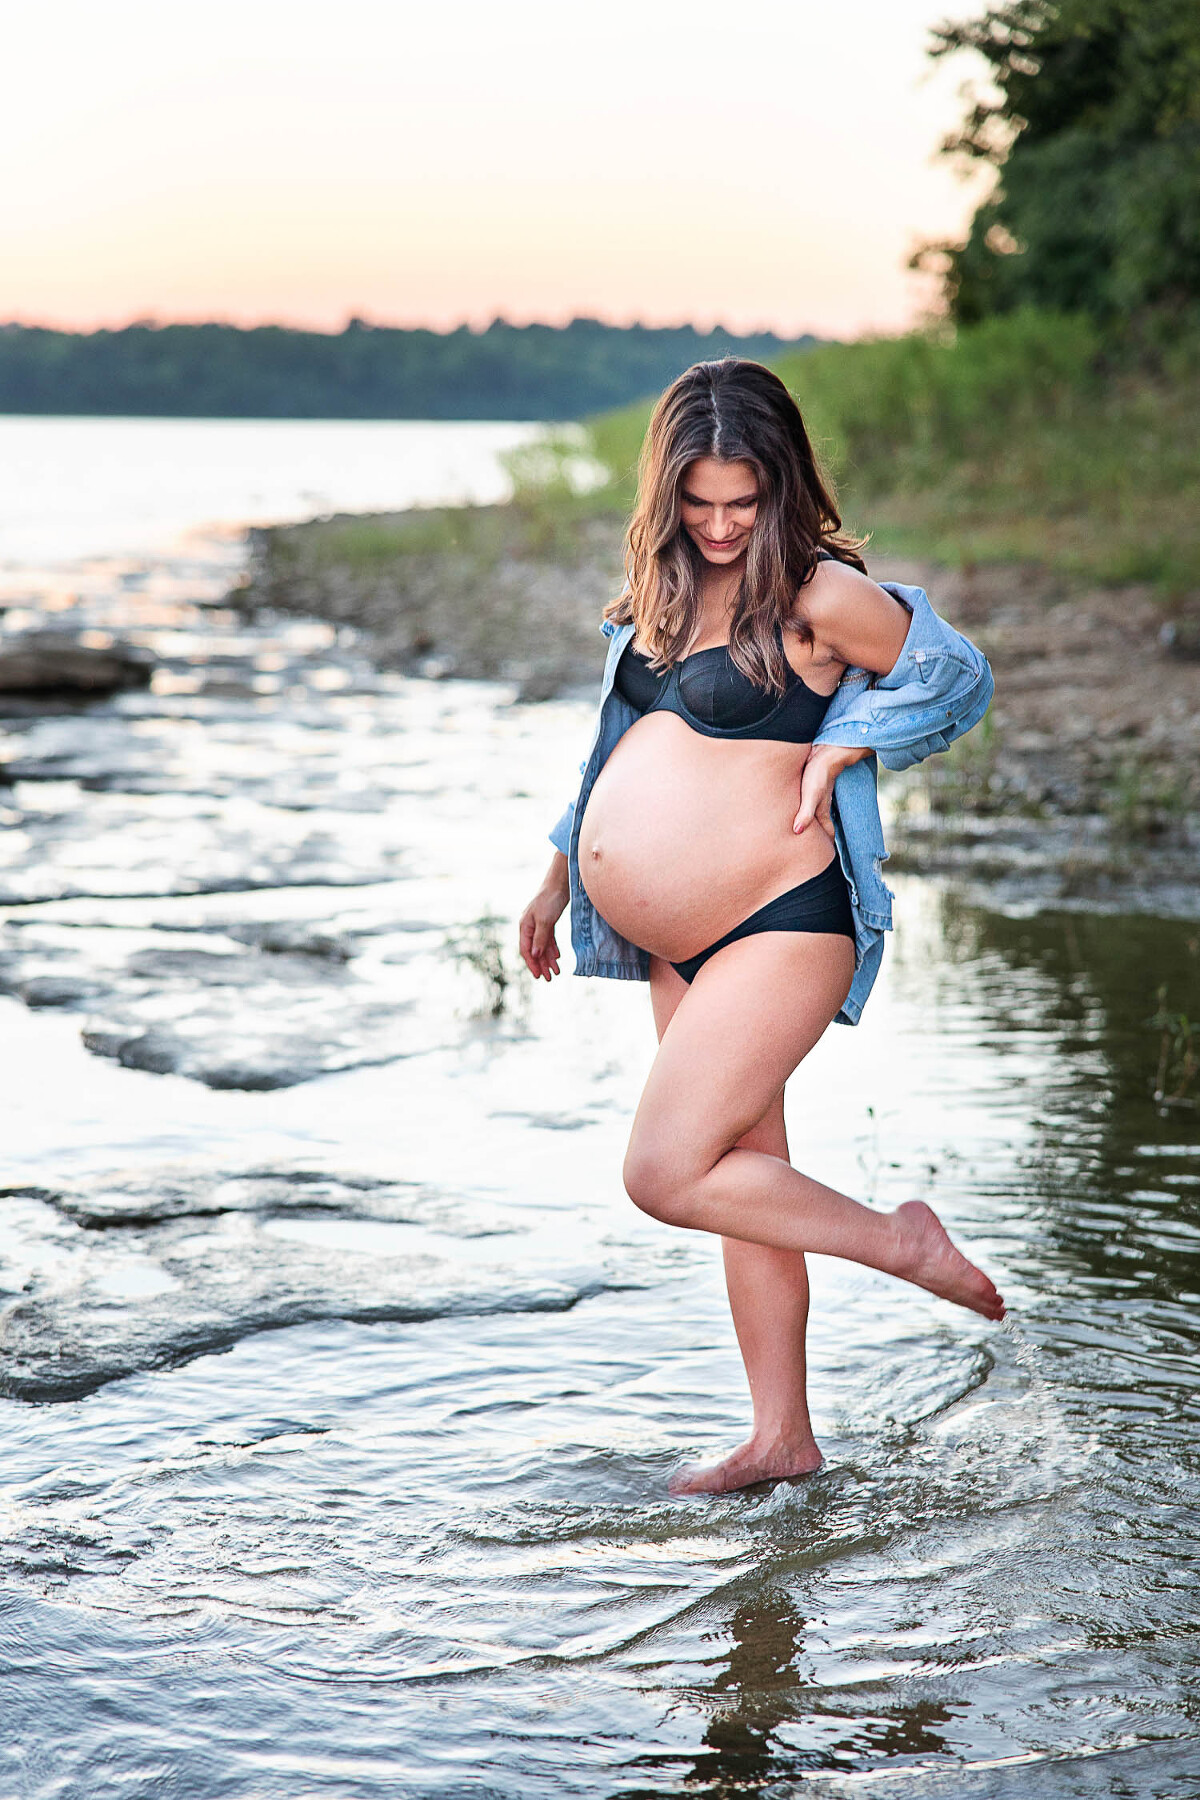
x=545, y=521
x=1026, y=438
x=375, y=540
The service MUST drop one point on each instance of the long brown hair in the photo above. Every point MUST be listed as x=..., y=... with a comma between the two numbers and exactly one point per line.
x=737, y=411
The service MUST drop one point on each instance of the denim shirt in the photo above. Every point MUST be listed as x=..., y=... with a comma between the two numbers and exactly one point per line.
x=940, y=686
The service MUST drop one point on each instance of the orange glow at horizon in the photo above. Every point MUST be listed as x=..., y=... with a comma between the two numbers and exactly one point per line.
x=299, y=165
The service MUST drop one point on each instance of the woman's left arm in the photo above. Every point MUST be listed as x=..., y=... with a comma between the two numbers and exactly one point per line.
x=853, y=620
x=857, y=623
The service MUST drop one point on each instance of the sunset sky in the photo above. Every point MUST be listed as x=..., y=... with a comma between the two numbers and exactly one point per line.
x=761, y=164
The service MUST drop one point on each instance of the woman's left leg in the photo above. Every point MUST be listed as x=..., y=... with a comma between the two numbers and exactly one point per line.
x=768, y=1298
x=751, y=1015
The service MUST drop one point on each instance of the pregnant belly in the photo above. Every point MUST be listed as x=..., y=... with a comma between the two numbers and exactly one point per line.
x=684, y=836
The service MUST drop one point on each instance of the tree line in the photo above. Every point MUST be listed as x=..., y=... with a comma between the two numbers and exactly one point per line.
x=363, y=372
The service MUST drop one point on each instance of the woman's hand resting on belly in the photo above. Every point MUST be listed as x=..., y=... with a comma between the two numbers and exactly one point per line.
x=825, y=763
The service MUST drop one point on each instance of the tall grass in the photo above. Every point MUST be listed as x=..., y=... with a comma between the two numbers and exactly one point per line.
x=1023, y=438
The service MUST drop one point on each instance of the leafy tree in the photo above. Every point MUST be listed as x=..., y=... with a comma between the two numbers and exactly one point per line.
x=1095, y=136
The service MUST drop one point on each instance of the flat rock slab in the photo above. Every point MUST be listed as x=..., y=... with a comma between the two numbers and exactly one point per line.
x=285, y=1007
x=53, y=662
x=120, y=850
x=123, y=1274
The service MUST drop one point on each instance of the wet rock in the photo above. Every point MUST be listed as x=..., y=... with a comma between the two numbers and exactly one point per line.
x=234, y=1003
x=119, y=845
x=1020, y=864
x=295, y=937
x=257, y=1037
x=132, y=1273
x=57, y=990
x=56, y=662
x=478, y=592
x=1180, y=638
x=131, y=1200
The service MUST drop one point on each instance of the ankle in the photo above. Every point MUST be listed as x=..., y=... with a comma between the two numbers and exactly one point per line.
x=897, y=1245
x=782, y=1435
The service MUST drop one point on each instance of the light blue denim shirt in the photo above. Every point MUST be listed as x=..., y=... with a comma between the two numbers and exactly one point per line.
x=940, y=686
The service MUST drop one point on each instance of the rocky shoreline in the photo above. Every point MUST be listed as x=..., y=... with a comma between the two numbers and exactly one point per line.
x=480, y=592
x=1081, y=787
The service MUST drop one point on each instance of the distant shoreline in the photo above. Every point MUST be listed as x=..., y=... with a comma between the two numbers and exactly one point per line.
x=511, y=373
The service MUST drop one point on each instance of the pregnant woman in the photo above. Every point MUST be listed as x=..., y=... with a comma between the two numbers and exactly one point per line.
x=726, y=846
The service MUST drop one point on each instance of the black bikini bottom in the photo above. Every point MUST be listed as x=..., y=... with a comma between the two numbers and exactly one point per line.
x=821, y=904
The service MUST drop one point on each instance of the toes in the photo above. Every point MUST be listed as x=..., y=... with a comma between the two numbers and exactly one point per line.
x=696, y=1481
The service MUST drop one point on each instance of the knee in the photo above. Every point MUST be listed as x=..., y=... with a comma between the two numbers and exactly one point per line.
x=655, y=1183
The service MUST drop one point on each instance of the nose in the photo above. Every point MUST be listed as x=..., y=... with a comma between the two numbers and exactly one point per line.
x=722, y=525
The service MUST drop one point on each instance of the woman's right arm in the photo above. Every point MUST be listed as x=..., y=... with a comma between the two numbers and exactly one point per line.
x=539, y=948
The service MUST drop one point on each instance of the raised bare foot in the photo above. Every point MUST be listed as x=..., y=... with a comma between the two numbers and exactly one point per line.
x=929, y=1260
x=749, y=1463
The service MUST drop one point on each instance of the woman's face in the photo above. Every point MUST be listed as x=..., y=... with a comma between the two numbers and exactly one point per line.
x=718, y=503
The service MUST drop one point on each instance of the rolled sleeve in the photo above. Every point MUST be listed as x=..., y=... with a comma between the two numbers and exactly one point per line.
x=560, y=837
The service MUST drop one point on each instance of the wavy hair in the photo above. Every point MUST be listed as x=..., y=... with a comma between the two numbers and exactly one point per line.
x=736, y=411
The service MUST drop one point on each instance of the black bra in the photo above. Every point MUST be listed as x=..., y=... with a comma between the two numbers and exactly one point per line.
x=709, y=692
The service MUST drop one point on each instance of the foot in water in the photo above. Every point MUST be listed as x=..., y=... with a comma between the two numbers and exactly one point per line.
x=928, y=1259
x=752, y=1461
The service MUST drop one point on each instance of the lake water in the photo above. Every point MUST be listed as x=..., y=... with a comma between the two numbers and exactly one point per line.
x=117, y=487
x=341, y=1381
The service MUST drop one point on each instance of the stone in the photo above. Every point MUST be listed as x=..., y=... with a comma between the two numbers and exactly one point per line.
x=56, y=662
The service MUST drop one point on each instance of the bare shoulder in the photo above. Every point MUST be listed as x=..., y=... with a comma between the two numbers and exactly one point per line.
x=835, y=591
x=851, y=617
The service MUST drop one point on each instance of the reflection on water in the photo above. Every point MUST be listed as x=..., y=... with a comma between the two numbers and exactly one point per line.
x=105, y=487
x=343, y=1384
x=763, y=1689
x=1118, y=1173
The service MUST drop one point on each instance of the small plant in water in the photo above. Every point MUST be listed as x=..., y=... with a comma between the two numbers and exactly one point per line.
x=1178, y=1055
x=479, y=946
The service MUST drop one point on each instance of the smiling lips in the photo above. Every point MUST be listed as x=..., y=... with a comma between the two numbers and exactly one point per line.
x=712, y=544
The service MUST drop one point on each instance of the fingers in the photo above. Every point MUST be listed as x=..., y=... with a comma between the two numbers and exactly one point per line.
x=545, y=951
x=816, y=795
x=538, y=946
x=811, y=801
x=818, y=811
x=525, y=941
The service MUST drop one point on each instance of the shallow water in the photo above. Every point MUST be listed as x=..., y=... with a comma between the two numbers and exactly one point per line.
x=343, y=1384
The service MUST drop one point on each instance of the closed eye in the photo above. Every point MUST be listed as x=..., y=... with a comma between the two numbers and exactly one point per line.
x=747, y=500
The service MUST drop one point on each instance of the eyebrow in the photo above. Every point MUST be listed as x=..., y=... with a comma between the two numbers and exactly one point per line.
x=742, y=499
